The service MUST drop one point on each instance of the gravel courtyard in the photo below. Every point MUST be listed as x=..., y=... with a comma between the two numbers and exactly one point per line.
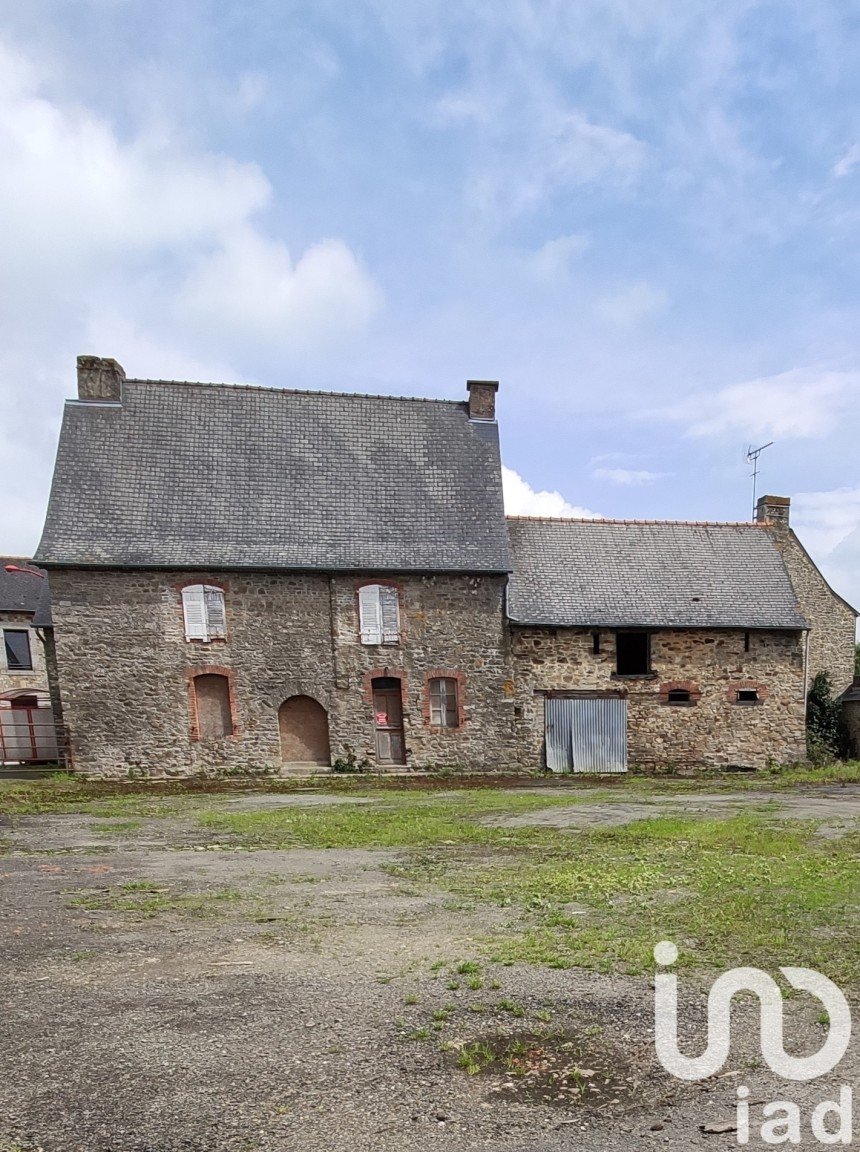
x=173, y=983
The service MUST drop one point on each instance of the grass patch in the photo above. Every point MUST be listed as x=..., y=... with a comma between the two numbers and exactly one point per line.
x=145, y=900
x=402, y=820
x=727, y=891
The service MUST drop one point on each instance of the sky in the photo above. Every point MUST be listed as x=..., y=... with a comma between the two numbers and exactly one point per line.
x=641, y=216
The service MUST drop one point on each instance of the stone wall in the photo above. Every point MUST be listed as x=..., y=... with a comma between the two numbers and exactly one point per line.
x=35, y=680
x=713, y=731
x=127, y=672
x=832, y=635
x=452, y=626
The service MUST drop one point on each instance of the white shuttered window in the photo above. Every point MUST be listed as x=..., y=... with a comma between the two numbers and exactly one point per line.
x=379, y=614
x=203, y=607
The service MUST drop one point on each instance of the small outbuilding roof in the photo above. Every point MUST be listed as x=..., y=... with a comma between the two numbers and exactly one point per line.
x=215, y=475
x=24, y=591
x=622, y=574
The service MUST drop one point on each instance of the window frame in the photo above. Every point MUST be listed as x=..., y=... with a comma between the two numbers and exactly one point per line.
x=379, y=616
x=625, y=632
x=747, y=697
x=443, y=702
x=192, y=676
x=7, y=651
x=200, y=600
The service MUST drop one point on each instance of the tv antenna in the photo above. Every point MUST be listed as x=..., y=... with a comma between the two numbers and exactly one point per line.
x=752, y=458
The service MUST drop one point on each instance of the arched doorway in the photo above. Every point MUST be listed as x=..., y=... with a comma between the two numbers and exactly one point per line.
x=303, y=724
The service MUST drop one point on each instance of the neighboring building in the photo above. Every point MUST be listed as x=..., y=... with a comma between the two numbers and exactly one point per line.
x=686, y=636
x=252, y=578
x=850, y=699
x=27, y=731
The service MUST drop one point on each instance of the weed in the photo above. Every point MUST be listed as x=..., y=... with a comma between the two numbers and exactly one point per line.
x=468, y=968
x=474, y=1058
x=516, y=1010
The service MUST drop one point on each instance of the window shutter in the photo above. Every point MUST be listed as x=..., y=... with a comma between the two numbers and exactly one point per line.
x=194, y=607
x=216, y=620
x=369, y=614
x=389, y=601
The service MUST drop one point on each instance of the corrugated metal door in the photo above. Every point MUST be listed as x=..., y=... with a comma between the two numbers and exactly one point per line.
x=586, y=734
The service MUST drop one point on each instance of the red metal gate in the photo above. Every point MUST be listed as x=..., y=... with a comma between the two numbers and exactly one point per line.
x=27, y=734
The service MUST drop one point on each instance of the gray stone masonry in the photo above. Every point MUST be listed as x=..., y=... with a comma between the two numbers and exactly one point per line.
x=126, y=670
x=712, y=664
x=832, y=621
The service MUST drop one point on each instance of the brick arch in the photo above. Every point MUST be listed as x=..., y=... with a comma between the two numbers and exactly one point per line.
x=746, y=686
x=192, y=675
x=680, y=686
x=304, y=733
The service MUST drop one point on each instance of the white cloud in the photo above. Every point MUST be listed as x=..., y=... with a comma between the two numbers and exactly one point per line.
x=522, y=500
x=141, y=245
x=526, y=162
x=847, y=163
x=78, y=199
x=632, y=305
x=552, y=261
x=802, y=403
x=627, y=476
x=250, y=287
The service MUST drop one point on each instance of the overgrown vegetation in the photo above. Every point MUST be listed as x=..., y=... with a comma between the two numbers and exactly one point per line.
x=826, y=733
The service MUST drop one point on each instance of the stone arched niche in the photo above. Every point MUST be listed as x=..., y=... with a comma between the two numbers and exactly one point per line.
x=303, y=725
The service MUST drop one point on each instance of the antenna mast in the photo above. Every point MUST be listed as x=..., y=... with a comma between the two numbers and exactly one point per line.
x=752, y=458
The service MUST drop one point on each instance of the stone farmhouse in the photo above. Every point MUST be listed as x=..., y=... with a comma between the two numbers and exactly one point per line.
x=258, y=578
x=27, y=730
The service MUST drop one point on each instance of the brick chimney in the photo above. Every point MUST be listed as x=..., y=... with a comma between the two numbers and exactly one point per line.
x=100, y=379
x=773, y=510
x=482, y=399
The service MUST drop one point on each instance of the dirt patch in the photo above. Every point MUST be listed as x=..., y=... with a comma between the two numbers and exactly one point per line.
x=561, y=1069
x=837, y=808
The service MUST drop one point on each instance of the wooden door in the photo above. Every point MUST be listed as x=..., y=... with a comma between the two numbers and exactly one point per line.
x=388, y=718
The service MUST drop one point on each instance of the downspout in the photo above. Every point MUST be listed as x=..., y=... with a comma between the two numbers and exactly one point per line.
x=332, y=631
x=806, y=669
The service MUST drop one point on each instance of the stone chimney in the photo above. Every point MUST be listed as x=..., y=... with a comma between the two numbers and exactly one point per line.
x=100, y=379
x=482, y=399
x=773, y=510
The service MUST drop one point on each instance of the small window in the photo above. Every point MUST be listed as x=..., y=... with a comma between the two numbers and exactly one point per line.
x=444, y=704
x=212, y=699
x=379, y=614
x=678, y=696
x=595, y=643
x=633, y=653
x=203, y=607
x=748, y=696
x=17, y=645
x=746, y=641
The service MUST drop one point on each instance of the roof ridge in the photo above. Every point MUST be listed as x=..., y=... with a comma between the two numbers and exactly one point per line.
x=295, y=391
x=611, y=520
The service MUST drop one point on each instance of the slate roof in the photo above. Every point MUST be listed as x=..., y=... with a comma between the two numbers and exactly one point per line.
x=20, y=592
x=215, y=475
x=651, y=575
